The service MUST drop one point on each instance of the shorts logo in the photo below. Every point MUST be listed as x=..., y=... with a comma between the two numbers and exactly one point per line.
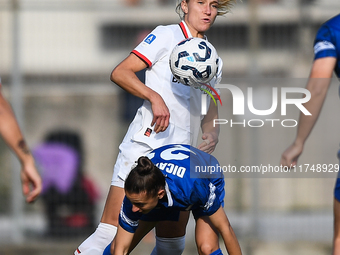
x=148, y=132
x=212, y=197
x=150, y=39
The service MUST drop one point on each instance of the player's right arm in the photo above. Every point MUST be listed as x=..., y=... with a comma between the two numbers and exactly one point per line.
x=317, y=85
x=124, y=76
x=122, y=241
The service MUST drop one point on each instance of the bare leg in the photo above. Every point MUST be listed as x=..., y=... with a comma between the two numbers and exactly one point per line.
x=206, y=236
x=144, y=227
x=173, y=228
x=336, y=240
x=113, y=204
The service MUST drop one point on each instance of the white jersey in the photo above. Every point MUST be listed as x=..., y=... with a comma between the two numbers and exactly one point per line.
x=183, y=102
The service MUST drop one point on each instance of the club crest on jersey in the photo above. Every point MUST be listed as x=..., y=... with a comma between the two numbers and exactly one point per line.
x=150, y=38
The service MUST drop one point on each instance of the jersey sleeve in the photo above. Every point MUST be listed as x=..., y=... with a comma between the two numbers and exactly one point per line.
x=324, y=44
x=128, y=219
x=155, y=46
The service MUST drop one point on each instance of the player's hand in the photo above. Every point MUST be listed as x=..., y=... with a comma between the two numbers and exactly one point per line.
x=290, y=156
x=31, y=181
x=161, y=115
x=209, y=143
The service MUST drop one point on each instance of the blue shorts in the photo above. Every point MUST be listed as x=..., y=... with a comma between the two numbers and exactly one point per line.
x=162, y=214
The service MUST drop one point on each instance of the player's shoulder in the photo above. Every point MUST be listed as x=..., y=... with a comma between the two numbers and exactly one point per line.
x=327, y=38
x=334, y=22
x=166, y=31
x=330, y=26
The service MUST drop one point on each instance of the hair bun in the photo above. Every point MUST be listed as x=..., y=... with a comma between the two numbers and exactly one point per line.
x=144, y=166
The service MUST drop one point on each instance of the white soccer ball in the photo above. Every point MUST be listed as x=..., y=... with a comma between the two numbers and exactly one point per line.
x=194, y=62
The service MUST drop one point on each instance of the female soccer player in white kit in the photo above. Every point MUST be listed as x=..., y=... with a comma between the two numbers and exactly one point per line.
x=170, y=114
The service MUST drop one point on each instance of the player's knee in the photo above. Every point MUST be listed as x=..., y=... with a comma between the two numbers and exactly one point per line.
x=207, y=248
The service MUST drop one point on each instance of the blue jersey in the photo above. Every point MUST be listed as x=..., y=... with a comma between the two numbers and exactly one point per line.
x=327, y=42
x=203, y=196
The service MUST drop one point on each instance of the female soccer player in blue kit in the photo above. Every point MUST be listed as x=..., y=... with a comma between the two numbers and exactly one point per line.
x=165, y=183
x=170, y=114
x=326, y=60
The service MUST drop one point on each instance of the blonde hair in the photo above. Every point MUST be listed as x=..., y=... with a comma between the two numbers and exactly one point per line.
x=224, y=6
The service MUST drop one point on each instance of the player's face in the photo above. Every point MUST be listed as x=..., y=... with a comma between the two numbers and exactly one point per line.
x=142, y=202
x=199, y=15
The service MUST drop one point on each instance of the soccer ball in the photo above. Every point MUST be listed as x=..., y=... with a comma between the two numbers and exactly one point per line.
x=194, y=62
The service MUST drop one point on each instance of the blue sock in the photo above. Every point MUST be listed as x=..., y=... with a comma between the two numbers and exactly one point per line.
x=107, y=250
x=217, y=252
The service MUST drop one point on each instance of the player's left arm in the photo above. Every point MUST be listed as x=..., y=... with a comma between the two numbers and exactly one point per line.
x=122, y=241
x=221, y=222
x=318, y=84
x=12, y=135
x=209, y=131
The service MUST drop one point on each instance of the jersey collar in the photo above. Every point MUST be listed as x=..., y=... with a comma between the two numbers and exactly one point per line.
x=186, y=31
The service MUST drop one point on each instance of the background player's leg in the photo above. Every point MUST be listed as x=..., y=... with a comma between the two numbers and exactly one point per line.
x=170, y=236
x=106, y=231
x=206, y=236
x=336, y=241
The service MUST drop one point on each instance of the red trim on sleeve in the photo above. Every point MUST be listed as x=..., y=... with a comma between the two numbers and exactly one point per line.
x=142, y=57
x=184, y=30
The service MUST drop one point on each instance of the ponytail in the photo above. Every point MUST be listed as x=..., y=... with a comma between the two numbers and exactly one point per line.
x=145, y=177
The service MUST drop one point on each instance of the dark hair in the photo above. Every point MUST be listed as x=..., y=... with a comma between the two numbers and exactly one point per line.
x=145, y=177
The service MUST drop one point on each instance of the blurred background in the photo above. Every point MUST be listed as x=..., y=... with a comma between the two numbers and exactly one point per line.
x=55, y=60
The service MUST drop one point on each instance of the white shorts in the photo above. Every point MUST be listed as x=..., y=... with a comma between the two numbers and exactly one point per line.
x=136, y=144
x=128, y=155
